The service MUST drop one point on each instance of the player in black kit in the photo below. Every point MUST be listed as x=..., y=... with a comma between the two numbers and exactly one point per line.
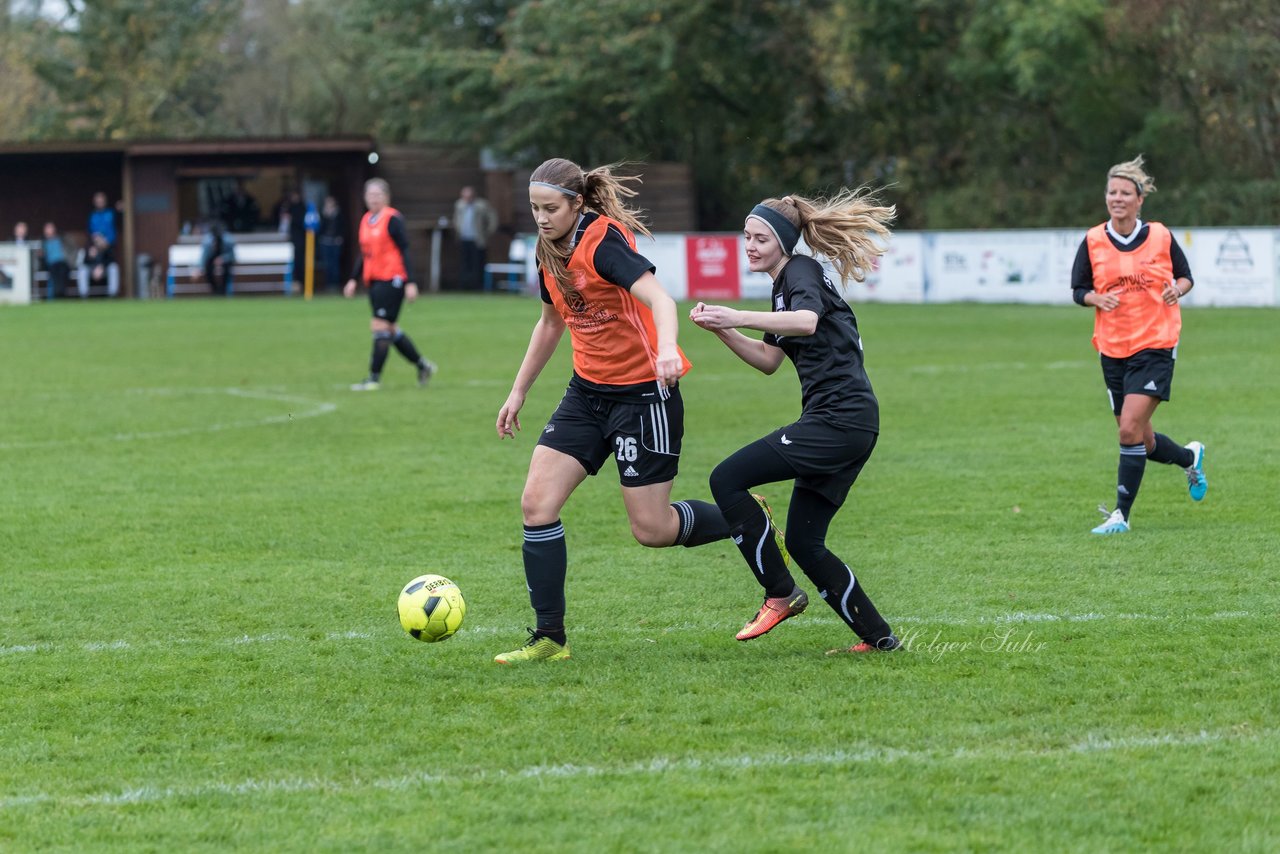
x=812, y=324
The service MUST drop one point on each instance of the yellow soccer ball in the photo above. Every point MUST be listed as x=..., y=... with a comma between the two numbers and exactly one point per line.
x=431, y=608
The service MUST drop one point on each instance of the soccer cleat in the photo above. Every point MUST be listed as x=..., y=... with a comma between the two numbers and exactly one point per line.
x=1114, y=524
x=538, y=648
x=1197, y=483
x=774, y=611
x=366, y=385
x=778, y=536
x=887, y=644
x=426, y=371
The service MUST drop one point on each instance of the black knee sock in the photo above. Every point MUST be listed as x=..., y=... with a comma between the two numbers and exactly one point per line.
x=1133, y=462
x=378, y=358
x=838, y=586
x=405, y=345
x=749, y=527
x=545, y=561
x=1170, y=452
x=700, y=522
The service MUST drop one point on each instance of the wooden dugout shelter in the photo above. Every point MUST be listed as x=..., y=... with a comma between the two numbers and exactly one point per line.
x=166, y=184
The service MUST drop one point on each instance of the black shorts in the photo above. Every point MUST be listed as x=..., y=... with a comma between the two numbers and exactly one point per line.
x=827, y=459
x=643, y=438
x=1148, y=372
x=385, y=298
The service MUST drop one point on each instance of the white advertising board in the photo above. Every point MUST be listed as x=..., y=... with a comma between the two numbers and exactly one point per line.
x=993, y=266
x=16, y=273
x=1230, y=266
x=899, y=275
x=667, y=253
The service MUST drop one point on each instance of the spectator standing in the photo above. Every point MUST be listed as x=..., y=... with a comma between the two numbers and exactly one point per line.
x=55, y=260
x=102, y=219
x=20, y=233
x=474, y=222
x=240, y=211
x=333, y=234
x=291, y=220
x=217, y=257
x=97, y=266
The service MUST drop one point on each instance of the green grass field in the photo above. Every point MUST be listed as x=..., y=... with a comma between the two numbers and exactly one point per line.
x=204, y=533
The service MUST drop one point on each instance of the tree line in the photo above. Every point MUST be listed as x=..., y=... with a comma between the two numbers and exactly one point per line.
x=971, y=113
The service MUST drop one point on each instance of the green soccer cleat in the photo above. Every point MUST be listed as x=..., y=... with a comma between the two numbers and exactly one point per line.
x=778, y=536
x=538, y=648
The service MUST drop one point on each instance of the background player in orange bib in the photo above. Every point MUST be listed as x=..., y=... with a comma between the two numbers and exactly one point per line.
x=623, y=400
x=824, y=451
x=1134, y=274
x=384, y=267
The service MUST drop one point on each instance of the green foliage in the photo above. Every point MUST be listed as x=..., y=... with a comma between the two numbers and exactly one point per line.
x=975, y=114
x=130, y=69
x=205, y=533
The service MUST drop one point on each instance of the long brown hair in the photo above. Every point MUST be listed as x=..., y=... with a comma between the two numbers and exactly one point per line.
x=848, y=228
x=601, y=191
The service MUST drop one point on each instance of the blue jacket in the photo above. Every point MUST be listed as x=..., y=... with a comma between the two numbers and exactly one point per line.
x=103, y=222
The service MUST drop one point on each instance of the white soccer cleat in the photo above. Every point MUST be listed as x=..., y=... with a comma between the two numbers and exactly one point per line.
x=1115, y=523
x=1197, y=483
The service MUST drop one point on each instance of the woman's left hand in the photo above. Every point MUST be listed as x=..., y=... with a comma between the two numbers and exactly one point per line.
x=410, y=291
x=1171, y=294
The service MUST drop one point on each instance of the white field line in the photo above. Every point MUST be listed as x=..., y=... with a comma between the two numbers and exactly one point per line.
x=1017, y=618
x=1090, y=743
x=307, y=408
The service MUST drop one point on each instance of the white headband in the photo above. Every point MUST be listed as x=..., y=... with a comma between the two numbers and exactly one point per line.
x=570, y=193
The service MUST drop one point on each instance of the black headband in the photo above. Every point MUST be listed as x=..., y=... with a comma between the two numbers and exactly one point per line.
x=788, y=235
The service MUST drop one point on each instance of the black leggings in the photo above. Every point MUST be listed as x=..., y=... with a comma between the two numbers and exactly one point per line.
x=808, y=519
x=809, y=515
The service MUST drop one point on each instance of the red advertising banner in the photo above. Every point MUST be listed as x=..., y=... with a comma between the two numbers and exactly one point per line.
x=712, y=266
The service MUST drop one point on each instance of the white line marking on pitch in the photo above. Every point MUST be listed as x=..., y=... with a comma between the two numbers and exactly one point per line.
x=391, y=630
x=1090, y=743
x=313, y=409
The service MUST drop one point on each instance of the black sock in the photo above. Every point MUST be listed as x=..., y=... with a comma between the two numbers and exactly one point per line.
x=701, y=522
x=838, y=585
x=1170, y=452
x=1133, y=462
x=378, y=358
x=405, y=345
x=750, y=530
x=545, y=561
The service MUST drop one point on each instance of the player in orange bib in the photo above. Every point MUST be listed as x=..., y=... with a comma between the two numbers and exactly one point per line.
x=1134, y=274
x=384, y=268
x=623, y=400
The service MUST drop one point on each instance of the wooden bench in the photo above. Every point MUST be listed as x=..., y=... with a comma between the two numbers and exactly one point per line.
x=514, y=274
x=262, y=267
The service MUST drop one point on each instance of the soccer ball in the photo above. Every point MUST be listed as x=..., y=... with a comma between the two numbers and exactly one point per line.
x=431, y=608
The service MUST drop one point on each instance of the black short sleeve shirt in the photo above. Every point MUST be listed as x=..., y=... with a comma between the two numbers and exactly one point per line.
x=833, y=382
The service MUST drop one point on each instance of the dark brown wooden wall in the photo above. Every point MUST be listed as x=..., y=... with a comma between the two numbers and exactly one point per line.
x=425, y=182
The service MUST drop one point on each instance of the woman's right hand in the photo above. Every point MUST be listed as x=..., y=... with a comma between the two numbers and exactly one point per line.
x=1104, y=301
x=349, y=289
x=509, y=416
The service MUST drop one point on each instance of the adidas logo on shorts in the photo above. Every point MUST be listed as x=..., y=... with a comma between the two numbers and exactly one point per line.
x=630, y=472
